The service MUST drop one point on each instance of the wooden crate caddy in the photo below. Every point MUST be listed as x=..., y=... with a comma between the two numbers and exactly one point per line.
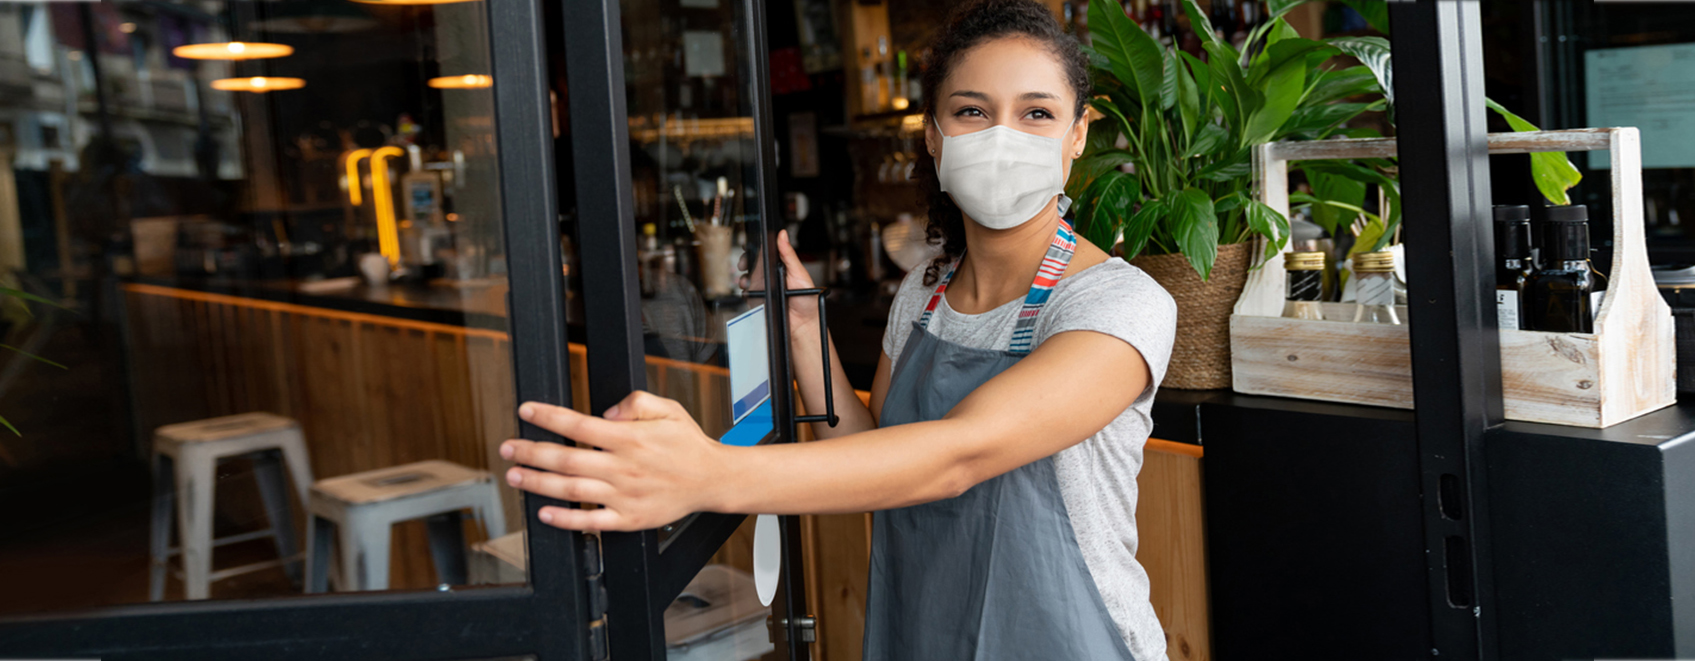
x=1622, y=370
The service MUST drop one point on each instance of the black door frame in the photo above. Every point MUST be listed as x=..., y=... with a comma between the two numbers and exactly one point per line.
x=1456, y=359
x=642, y=573
x=543, y=618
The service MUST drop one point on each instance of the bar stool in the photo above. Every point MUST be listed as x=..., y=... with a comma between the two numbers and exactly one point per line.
x=185, y=462
x=365, y=506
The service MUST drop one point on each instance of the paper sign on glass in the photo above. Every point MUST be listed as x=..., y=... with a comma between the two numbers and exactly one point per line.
x=750, y=378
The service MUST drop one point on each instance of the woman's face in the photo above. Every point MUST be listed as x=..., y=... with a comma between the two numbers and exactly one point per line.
x=1014, y=82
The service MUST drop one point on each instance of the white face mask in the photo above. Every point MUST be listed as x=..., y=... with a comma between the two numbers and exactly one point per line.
x=1000, y=176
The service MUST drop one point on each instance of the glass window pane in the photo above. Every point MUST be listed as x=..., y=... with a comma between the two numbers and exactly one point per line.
x=257, y=291
x=692, y=172
x=694, y=175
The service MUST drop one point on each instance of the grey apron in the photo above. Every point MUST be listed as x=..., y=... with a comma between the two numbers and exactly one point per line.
x=995, y=573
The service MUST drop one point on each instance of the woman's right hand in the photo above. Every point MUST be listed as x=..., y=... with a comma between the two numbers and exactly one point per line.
x=803, y=310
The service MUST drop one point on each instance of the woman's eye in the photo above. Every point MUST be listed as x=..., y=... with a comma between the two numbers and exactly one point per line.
x=968, y=112
x=1040, y=114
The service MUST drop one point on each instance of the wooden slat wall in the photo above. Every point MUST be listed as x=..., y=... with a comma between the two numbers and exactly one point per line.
x=369, y=392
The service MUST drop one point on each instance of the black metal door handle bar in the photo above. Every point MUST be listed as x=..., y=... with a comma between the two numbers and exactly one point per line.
x=829, y=415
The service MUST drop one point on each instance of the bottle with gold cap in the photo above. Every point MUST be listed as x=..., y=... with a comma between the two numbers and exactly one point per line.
x=1305, y=274
x=1374, y=288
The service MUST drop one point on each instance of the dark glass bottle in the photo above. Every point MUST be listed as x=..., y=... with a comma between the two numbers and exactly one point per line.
x=1565, y=290
x=1513, y=266
x=1305, y=274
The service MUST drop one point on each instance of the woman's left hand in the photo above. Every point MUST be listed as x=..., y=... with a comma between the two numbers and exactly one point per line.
x=654, y=466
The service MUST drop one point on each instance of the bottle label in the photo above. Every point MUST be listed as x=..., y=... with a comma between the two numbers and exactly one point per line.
x=1506, y=309
x=1375, y=289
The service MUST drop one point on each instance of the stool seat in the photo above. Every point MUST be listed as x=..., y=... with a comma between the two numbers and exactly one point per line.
x=185, y=460
x=226, y=429
x=397, y=481
x=361, y=509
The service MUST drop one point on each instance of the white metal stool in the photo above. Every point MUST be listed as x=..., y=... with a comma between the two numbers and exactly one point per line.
x=185, y=463
x=365, y=506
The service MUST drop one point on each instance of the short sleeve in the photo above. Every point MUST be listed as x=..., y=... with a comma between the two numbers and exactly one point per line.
x=1121, y=301
x=909, y=302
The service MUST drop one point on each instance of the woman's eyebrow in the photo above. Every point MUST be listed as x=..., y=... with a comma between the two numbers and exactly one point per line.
x=971, y=94
x=1028, y=96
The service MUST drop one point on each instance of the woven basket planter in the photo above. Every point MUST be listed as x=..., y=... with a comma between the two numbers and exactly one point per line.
x=1200, y=358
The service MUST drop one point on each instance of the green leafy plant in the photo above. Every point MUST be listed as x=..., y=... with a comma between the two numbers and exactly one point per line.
x=1190, y=127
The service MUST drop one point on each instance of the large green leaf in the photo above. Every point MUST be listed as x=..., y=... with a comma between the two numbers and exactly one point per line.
x=1141, y=226
x=1084, y=171
x=1283, y=88
x=1188, y=97
x=1366, y=171
x=1265, y=221
x=1133, y=55
x=1341, y=84
x=1200, y=24
x=1208, y=141
x=1335, y=187
x=1286, y=53
x=1112, y=197
x=1203, y=77
x=1230, y=169
x=1280, y=30
x=1168, y=83
x=1373, y=52
x=1551, y=170
x=1233, y=95
x=1195, y=227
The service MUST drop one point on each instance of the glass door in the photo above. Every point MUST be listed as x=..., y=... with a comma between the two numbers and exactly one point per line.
x=678, y=95
x=275, y=276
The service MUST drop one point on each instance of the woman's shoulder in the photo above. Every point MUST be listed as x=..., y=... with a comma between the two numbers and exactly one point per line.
x=1113, y=282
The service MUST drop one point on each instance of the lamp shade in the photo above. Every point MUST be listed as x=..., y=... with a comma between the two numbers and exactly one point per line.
x=467, y=81
x=232, y=50
x=258, y=84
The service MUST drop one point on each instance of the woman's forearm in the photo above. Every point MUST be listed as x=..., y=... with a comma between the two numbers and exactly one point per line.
x=808, y=362
x=871, y=470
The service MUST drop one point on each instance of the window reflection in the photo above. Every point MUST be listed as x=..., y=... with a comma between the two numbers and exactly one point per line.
x=253, y=252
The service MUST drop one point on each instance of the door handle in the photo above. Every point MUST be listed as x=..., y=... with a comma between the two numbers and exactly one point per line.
x=829, y=415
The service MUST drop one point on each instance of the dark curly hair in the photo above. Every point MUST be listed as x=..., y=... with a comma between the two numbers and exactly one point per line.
x=969, y=26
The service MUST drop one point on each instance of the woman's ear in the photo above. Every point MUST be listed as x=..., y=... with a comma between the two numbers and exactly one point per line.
x=1079, y=137
x=932, y=137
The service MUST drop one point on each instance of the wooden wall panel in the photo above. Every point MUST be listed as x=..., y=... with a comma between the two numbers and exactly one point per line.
x=1172, y=548
x=369, y=392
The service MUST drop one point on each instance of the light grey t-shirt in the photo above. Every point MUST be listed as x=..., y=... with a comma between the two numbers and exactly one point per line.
x=1097, y=478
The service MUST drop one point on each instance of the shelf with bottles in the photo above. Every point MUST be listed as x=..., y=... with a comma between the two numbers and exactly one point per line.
x=1619, y=370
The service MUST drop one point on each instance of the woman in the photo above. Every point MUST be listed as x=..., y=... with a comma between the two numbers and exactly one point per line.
x=1008, y=412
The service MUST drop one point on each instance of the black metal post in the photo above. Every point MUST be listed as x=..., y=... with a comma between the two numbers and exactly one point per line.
x=1438, y=80
x=792, y=607
x=594, y=61
x=540, y=346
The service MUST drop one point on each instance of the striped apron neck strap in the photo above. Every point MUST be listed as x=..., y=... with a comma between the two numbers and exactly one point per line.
x=936, y=298
x=1059, y=254
x=1047, y=275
